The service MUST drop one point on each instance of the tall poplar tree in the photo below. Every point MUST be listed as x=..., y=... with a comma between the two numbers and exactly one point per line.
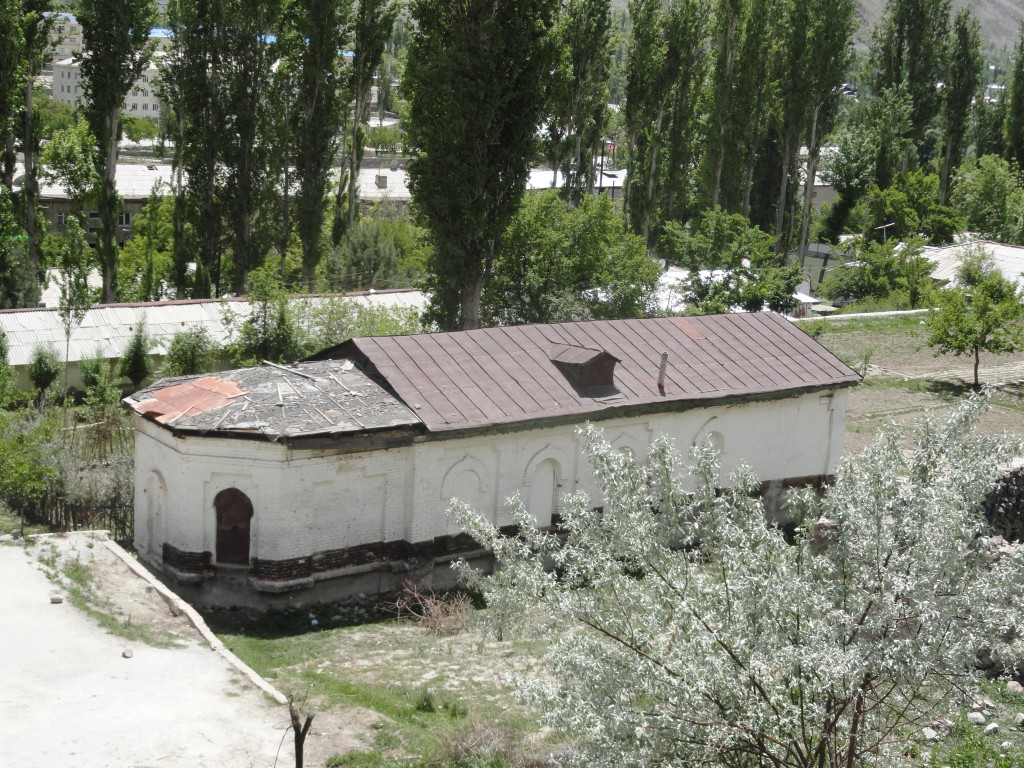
x=12, y=82
x=687, y=27
x=474, y=78
x=322, y=28
x=37, y=25
x=831, y=24
x=961, y=88
x=584, y=33
x=374, y=20
x=1013, y=133
x=909, y=50
x=248, y=99
x=191, y=84
x=115, y=50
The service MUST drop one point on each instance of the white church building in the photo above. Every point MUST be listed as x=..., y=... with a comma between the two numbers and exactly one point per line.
x=286, y=485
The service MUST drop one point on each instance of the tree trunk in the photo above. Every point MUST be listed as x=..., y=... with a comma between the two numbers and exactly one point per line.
x=107, y=241
x=10, y=158
x=30, y=189
x=180, y=253
x=812, y=170
x=354, y=161
x=977, y=362
x=470, y=302
x=780, y=211
x=651, y=172
x=944, y=177
x=300, y=730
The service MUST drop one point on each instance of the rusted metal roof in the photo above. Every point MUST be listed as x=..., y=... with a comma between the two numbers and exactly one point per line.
x=504, y=375
x=277, y=402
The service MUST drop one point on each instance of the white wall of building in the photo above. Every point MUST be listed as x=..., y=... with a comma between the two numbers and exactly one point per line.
x=314, y=501
x=140, y=101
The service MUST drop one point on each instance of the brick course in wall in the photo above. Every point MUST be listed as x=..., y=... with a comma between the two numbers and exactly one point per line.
x=187, y=562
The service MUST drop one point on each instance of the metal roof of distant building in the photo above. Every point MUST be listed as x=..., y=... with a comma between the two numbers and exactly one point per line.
x=279, y=403
x=1008, y=259
x=134, y=181
x=499, y=376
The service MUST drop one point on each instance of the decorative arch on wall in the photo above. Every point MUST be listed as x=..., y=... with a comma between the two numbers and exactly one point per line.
x=234, y=513
x=627, y=441
x=545, y=491
x=151, y=537
x=710, y=430
x=465, y=481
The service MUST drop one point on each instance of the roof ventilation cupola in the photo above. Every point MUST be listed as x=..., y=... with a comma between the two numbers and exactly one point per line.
x=590, y=371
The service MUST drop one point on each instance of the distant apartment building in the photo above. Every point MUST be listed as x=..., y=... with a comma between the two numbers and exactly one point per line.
x=141, y=100
x=66, y=37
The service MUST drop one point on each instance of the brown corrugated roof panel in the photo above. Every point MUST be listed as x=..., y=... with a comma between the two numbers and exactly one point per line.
x=504, y=375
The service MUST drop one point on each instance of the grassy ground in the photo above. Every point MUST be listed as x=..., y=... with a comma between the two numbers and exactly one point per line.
x=427, y=698
x=903, y=379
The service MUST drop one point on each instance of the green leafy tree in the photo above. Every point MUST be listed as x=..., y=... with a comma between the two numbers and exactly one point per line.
x=190, y=352
x=474, y=78
x=961, y=88
x=374, y=20
x=12, y=82
x=582, y=37
x=557, y=265
x=893, y=273
x=26, y=467
x=44, y=369
x=146, y=269
x=989, y=194
x=192, y=74
x=981, y=312
x=73, y=274
x=67, y=161
x=366, y=258
x=741, y=647
x=249, y=101
x=139, y=128
x=36, y=30
x=908, y=52
x=849, y=170
x=665, y=64
x=324, y=27
x=731, y=265
x=101, y=392
x=18, y=285
x=269, y=332
x=1014, y=125
x=136, y=364
x=115, y=50
x=326, y=323
x=9, y=394
x=816, y=55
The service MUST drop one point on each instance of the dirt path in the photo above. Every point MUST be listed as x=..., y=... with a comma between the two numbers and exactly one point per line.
x=70, y=698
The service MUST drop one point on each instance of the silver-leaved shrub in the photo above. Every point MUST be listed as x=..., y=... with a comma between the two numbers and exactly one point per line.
x=685, y=630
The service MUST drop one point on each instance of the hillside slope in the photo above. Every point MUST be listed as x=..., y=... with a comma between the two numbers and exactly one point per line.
x=1000, y=19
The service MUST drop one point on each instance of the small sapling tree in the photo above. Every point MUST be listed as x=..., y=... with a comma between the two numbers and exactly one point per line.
x=687, y=630
x=136, y=365
x=982, y=312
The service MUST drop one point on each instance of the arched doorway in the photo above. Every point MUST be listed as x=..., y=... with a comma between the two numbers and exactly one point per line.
x=234, y=513
x=544, y=492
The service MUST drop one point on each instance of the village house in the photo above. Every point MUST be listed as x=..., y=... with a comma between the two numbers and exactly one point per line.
x=278, y=485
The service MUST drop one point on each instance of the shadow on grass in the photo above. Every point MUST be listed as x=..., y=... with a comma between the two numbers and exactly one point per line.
x=947, y=389
x=275, y=624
